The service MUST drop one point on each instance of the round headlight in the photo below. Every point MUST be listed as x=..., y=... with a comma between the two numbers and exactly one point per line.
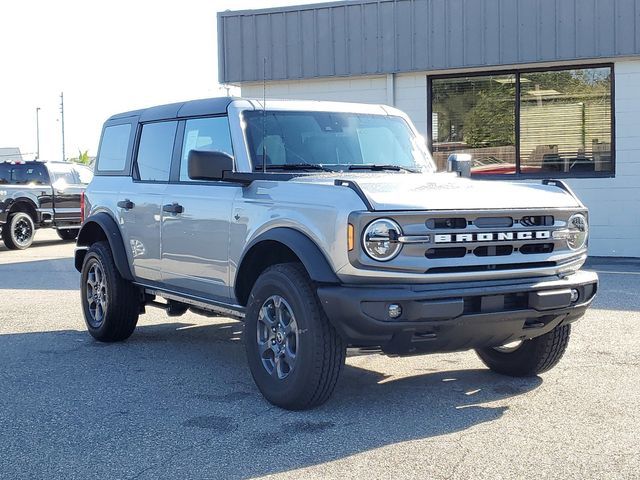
x=578, y=231
x=380, y=239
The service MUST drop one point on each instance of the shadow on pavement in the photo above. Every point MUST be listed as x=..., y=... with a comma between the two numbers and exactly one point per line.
x=177, y=400
x=55, y=274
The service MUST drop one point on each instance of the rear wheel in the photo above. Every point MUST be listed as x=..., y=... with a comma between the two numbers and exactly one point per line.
x=19, y=231
x=294, y=353
x=528, y=357
x=110, y=303
x=68, y=233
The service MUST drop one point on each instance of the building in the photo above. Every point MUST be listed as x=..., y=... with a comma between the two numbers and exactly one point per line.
x=10, y=154
x=531, y=88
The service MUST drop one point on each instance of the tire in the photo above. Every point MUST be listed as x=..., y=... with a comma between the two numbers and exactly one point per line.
x=306, y=379
x=68, y=233
x=532, y=357
x=19, y=231
x=110, y=304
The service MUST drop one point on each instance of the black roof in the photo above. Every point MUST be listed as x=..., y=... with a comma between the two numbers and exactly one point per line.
x=191, y=108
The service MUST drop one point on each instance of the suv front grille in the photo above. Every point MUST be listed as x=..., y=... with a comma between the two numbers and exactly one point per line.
x=475, y=241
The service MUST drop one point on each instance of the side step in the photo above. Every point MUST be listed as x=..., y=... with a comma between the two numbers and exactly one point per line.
x=200, y=305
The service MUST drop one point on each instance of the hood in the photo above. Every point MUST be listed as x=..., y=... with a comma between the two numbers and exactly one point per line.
x=445, y=191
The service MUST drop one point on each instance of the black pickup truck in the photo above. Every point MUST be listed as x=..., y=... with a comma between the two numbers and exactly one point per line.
x=36, y=194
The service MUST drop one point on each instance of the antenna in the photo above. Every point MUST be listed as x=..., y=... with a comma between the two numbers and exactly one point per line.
x=264, y=114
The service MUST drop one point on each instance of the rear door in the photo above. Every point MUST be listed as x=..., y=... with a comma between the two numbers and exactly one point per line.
x=140, y=198
x=66, y=194
x=195, y=240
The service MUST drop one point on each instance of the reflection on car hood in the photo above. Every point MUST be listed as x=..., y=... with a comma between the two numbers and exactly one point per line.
x=445, y=191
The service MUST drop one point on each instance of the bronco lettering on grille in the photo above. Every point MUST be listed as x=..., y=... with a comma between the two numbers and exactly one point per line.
x=491, y=237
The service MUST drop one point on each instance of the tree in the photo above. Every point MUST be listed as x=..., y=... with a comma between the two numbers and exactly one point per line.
x=83, y=157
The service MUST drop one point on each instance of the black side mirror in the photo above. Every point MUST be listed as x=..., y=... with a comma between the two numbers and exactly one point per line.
x=460, y=163
x=208, y=165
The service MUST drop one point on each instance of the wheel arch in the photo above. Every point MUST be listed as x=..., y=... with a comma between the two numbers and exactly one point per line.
x=100, y=227
x=280, y=245
x=26, y=205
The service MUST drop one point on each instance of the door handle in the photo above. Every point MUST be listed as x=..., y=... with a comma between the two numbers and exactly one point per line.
x=126, y=204
x=173, y=208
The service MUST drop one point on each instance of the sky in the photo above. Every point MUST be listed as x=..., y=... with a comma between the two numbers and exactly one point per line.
x=107, y=57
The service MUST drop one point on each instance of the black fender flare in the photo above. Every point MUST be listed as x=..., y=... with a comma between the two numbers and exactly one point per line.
x=109, y=227
x=314, y=261
x=12, y=202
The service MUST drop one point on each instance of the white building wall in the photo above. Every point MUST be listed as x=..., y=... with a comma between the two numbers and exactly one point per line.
x=614, y=203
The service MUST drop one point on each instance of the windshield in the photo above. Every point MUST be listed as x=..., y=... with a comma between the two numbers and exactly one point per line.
x=333, y=141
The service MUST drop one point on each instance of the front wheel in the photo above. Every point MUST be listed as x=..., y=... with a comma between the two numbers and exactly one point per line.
x=68, y=233
x=110, y=303
x=528, y=358
x=19, y=231
x=294, y=353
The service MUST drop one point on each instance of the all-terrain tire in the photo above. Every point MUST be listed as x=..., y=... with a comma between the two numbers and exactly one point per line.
x=19, y=231
x=319, y=349
x=532, y=357
x=110, y=304
x=68, y=233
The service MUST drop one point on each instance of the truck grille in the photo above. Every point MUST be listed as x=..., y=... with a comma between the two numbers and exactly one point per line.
x=477, y=241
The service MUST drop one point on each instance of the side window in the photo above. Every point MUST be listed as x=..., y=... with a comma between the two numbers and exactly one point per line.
x=204, y=134
x=113, y=150
x=155, y=151
x=62, y=173
x=5, y=173
x=30, y=175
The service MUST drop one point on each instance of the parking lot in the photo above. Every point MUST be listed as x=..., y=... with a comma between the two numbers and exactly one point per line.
x=176, y=400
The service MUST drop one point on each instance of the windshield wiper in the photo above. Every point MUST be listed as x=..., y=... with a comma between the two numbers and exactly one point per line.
x=379, y=168
x=293, y=166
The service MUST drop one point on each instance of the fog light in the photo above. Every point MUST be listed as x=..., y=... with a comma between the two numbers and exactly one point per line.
x=395, y=310
x=575, y=295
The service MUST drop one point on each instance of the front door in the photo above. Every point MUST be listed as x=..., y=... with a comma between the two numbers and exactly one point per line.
x=196, y=218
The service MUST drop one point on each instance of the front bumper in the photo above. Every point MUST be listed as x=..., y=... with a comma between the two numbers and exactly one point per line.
x=455, y=316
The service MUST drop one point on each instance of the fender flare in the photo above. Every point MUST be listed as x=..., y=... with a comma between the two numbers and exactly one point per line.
x=111, y=231
x=12, y=202
x=314, y=261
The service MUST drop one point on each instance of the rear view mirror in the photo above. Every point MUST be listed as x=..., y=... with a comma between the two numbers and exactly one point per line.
x=459, y=163
x=208, y=165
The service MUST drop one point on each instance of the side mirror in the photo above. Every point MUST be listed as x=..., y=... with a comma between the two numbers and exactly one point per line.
x=460, y=163
x=208, y=165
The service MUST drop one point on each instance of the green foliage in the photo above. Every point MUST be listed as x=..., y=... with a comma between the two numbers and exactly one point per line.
x=491, y=122
x=83, y=157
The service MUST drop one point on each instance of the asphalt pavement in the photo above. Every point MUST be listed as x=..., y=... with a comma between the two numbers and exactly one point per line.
x=177, y=401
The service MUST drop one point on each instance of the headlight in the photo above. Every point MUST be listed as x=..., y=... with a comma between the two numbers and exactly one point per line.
x=578, y=231
x=380, y=239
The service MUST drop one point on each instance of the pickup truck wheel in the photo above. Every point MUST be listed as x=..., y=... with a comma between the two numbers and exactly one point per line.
x=294, y=353
x=530, y=357
x=18, y=232
x=110, y=303
x=68, y=233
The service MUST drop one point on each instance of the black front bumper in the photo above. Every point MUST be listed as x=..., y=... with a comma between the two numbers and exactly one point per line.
x=455, y=316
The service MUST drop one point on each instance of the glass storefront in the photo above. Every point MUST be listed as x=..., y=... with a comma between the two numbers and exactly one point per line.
x=526, y=123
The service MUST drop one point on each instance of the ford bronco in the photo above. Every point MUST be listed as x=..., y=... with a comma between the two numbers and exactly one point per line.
x=325, y=226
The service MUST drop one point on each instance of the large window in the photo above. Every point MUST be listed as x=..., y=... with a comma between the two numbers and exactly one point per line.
x=529, y=123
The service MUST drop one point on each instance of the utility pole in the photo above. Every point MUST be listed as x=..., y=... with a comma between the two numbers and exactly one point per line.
x=38, y=132
x=62, y=120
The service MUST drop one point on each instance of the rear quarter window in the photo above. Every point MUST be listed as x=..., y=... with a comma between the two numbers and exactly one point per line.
x=112, y=157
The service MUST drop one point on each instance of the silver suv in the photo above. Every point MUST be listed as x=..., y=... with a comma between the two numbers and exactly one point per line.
x=324, y=226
